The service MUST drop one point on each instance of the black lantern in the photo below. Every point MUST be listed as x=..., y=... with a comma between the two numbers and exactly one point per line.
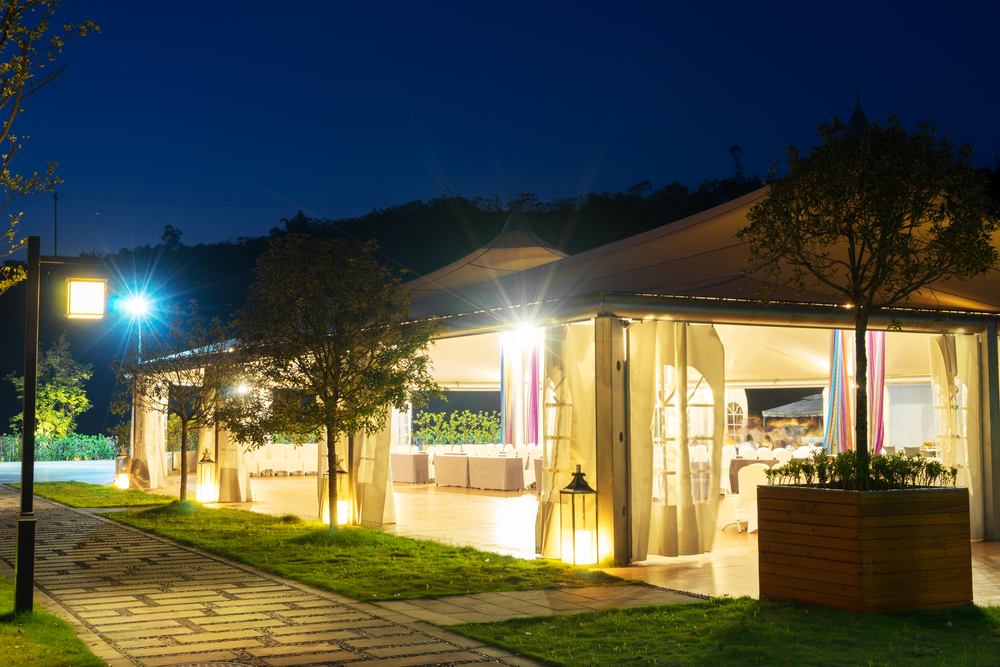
x=578, y=521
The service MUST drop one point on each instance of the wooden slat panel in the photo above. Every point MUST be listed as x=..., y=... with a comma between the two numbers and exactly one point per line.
x=780, y=505
x=912, y=496
x=923, y=519
x=907, y=509
x=810, y=518
x=876, y=568
x=809, y=540
x=815, y=573
x=810, y=597
x=916, y=587
x=809, y=529
x=886, y=532
x=963, y=574
x=811, y=552
x=775, y=559
x=903, y=543
x=825, y=587
x=952, y=551
x=953, y=597
x=807, y=494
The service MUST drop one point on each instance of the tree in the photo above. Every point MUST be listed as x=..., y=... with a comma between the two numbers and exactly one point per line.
x=60, y=394
x=186, y=372
x=870, y=220
x=29, y=47
x=326, y=336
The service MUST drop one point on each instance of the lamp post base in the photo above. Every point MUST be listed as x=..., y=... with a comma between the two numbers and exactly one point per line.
x=24, y=566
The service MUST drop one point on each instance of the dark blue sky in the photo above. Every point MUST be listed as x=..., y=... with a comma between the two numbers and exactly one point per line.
x=265, y=108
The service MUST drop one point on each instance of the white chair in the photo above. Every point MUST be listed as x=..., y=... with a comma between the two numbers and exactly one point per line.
x=765, y=454
x=783, y=455
x=750, y=477
x=728, y=452
x=264, y=462
x=402, y=449
x=508, y=450
x=748, y=451
x=491, y=450
x=413, y=449
x=803, y=452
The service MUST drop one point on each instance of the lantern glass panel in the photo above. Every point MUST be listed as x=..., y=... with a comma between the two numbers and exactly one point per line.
x=122, y=466
x=85, y=298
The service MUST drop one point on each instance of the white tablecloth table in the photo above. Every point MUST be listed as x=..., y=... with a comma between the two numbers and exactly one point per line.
x=451, y=470
x=497, y=473
x=409, y=468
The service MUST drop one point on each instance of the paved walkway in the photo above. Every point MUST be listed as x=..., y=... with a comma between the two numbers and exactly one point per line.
x=144, y=601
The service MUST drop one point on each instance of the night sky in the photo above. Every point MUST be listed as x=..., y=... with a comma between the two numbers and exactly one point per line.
x=222, y=119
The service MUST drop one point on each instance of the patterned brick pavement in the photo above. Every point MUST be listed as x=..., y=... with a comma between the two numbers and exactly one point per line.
x=140, y=600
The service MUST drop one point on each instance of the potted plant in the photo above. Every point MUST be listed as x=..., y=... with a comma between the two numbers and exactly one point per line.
x=897, y=538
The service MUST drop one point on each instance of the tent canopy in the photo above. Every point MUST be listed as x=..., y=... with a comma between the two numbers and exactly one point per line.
x=515, y=249
x=698, y=257
x=810, y=406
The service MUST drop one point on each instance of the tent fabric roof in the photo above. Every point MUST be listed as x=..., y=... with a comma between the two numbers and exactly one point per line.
x=515, y=249
x=810, y=406
x=699, y=256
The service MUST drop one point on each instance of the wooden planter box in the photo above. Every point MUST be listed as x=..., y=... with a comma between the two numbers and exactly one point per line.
x=865, y=551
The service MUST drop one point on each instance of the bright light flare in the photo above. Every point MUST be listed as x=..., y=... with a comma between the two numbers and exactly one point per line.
x=137, y=305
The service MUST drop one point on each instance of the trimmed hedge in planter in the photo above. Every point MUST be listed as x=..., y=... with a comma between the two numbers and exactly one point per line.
x=865, y=551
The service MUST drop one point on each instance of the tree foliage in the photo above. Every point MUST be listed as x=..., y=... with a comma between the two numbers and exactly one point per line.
x=325, y=337
x=60, y=396
x=30, y=45
x=185, y=372
x=869, y=221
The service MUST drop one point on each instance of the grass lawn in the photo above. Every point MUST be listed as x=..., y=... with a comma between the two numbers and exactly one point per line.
x=78, y=494
x=728, y=631
x=39, y=639
x=361, y=563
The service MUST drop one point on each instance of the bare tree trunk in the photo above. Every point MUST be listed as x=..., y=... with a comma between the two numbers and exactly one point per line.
x=861, y=396
x=331, y=456
x=184, y=459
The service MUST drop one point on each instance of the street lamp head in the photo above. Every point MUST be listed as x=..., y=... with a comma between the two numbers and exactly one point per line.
x=85, y=298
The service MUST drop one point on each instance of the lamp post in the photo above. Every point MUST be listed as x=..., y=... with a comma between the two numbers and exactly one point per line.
x=85, y=299
x=208, y=487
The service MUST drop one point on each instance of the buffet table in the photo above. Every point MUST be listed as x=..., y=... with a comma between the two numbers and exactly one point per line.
x=497, y=473
x=451, y=470
x=409, y=468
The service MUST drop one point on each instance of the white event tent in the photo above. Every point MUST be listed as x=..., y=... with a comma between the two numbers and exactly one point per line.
x=624, y=325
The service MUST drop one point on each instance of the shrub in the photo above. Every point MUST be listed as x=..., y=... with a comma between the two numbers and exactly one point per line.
x=842, y=472
x=69, y=448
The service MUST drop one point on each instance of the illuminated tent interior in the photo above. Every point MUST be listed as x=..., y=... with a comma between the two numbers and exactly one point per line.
x=691, y=271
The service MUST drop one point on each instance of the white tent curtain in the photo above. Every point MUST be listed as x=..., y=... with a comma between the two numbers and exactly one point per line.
x=149, y=448
x=569, y=435
x=676, y=436
x=955, y=383
x=375, y=492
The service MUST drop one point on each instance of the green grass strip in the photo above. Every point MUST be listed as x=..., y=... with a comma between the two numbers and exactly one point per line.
x=79, y=494
x=39, y=639
x=744, y=631
x=361, y=563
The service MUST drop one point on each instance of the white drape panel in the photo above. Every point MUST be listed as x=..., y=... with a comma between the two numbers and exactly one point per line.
x=149, y=449
x=955, y=383
x=568, y=424
x=374, y=485
x=676, y=436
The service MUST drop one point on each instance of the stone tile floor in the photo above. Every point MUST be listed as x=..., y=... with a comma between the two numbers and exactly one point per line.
x=140, y=600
